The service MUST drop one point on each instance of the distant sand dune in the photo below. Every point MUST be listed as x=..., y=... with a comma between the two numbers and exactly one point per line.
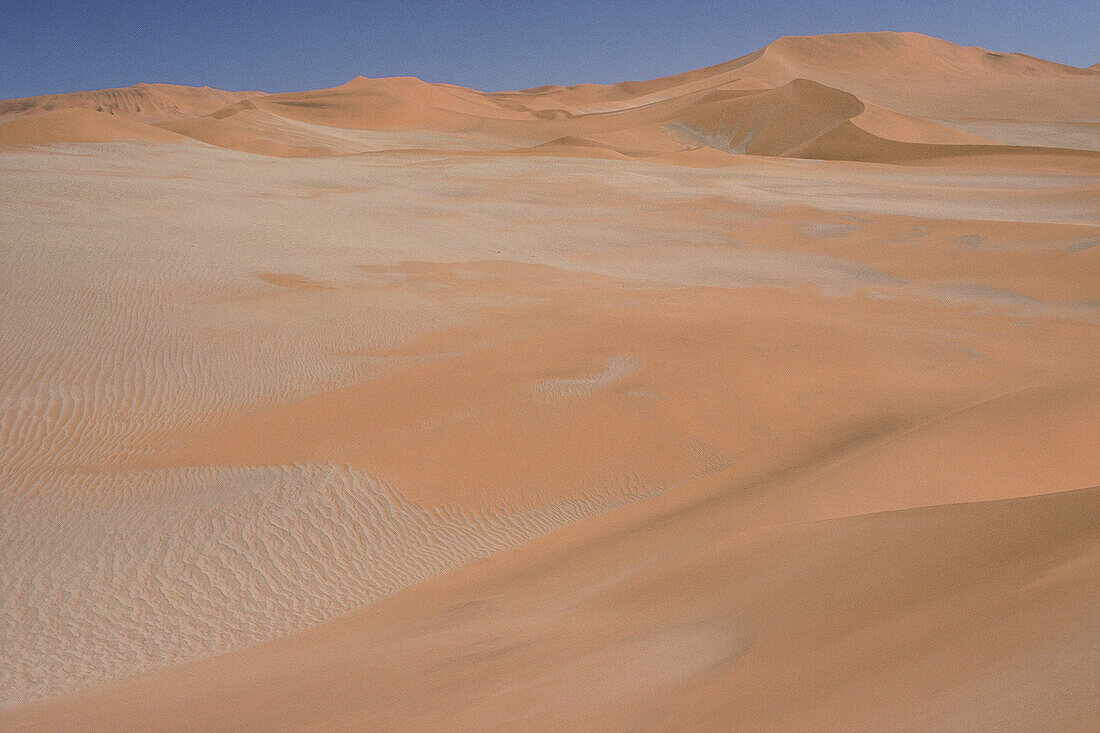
x=770, y=122
x=145, y=102
x=79, y=126
x=894, y=88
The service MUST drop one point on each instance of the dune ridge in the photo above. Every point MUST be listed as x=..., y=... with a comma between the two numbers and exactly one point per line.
x=920, y=91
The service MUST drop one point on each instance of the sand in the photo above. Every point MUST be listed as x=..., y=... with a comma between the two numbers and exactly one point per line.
x=759, y=397
x=143, y=102
x=873, y=97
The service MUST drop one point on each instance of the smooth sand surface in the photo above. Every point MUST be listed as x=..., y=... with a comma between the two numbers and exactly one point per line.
x=759, y=397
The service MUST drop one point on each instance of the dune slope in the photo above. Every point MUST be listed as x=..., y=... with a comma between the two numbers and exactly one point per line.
x=145, y=102
x=667, y=619
x=79, y=126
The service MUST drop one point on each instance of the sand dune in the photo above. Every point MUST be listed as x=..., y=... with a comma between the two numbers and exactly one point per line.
x=768, y=122
x=241, y=131
x=926, y=77
x=78, y=125
x=910, y=73
x=667, y=621
x=776, y=102
x=883, y=123
x=145, y=102
x=377, y=104
x=848, y=141
x=757, y=397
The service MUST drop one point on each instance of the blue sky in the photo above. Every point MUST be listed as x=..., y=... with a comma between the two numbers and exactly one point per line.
x=50, y=46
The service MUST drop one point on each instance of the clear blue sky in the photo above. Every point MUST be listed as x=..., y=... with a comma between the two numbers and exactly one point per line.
x=49, y=46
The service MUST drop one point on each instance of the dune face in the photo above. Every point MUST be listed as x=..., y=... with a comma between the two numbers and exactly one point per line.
x=769, y=122
x=760, y=397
